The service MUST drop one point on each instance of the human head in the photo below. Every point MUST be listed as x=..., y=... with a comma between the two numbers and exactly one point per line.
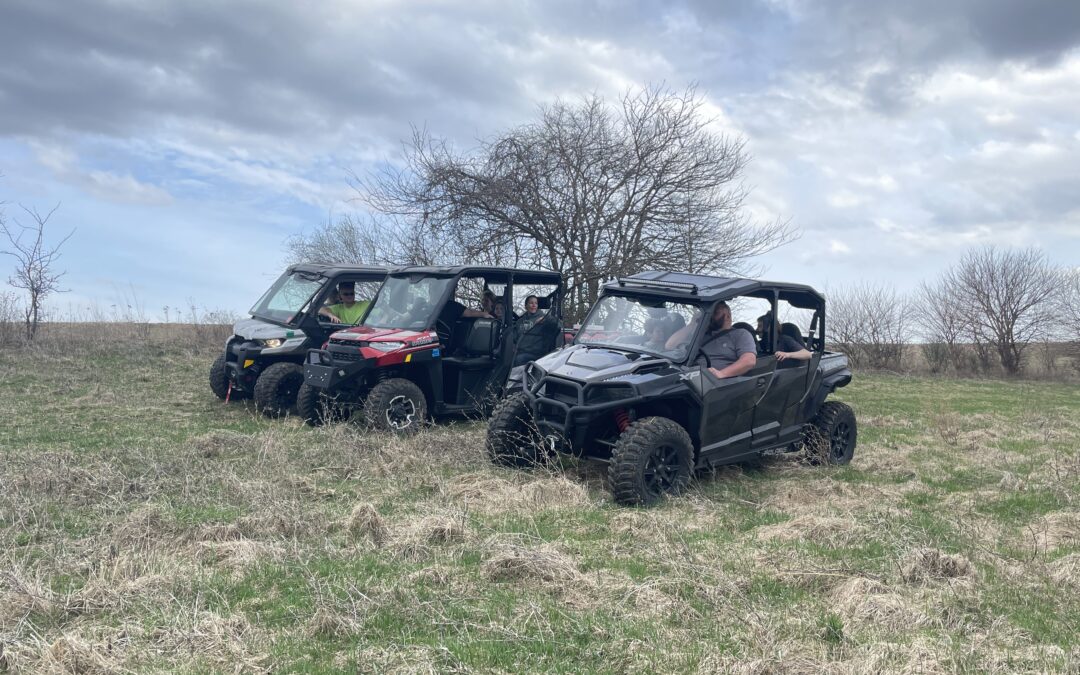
x=346, y=291
x=721, y=317
x=499, y=309
x=532, y=304
x=487, y=301
x=764, y=322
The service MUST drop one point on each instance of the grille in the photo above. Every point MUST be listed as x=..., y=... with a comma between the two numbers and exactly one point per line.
x=347, y=343
x=345, y=356
x=350, y=354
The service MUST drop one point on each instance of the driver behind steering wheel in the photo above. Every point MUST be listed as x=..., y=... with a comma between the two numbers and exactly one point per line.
x=725, y=352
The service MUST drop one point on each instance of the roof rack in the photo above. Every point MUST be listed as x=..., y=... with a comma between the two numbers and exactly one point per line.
x=680, y=285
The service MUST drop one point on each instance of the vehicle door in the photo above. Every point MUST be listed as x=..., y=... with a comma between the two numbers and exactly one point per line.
x=473, y=359
x=774, y=415
x=728, y=414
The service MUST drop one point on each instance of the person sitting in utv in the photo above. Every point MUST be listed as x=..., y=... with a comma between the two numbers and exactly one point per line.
x=347, y=310
x=655, y=334
x=790, y=347
x=536, y=336
x=726, y=352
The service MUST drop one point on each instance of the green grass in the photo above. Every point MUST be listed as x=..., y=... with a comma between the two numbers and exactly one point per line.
x=146, y=525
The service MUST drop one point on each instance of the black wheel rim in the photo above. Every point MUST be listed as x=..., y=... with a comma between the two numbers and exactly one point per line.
x=841, y=439
x=400, y=412
x=287, y=391
x=661, y=470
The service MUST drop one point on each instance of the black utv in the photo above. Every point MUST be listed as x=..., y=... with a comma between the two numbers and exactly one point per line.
x=636, y=388
x=264, y=357
x=437, y=341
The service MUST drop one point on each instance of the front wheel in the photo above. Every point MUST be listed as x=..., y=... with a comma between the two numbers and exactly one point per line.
x=317, y=408
x=512, y=439
x=396, y=405
x=277, y=387
x=653, y=458
x=831, y=437
x=219, y=381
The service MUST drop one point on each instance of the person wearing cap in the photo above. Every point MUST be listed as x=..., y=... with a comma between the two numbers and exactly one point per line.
x=348, y=310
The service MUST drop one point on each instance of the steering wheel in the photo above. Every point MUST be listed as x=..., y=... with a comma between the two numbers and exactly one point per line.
x=444, y=331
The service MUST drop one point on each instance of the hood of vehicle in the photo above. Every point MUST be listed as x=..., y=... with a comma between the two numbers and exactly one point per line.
x=592, y=364
x=257, y=329
x=368, y=334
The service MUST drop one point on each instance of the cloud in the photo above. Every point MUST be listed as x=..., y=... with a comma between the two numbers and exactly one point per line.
x=954, y=121
x=109, y=186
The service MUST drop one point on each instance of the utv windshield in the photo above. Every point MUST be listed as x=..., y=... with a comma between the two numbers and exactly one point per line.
x=288, y=297
x=408, y=302
x=639, y=324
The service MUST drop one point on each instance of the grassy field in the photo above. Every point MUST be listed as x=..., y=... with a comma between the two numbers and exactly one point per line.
x=147, y=526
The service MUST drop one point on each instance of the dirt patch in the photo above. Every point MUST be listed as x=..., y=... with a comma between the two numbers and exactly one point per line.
x=925, y=565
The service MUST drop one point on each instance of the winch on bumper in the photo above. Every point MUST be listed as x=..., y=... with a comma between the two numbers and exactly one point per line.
x=242, y=365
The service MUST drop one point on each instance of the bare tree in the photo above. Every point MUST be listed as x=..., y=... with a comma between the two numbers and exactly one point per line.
x=942, y=325
x=591, y=190
x=387, y=241
x=869, y=323
x=1007, y=299
x=34, y=263
x=1068, y=311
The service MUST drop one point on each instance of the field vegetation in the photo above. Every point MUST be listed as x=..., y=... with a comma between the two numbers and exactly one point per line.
x=147, y=526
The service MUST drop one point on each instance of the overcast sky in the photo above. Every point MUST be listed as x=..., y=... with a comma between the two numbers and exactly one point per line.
x=186, y=140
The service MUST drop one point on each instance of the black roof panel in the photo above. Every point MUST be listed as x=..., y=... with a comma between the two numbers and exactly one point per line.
x=708, y=288
x=333, y=269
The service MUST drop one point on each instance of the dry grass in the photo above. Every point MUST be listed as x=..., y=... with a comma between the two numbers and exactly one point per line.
x=145, y=526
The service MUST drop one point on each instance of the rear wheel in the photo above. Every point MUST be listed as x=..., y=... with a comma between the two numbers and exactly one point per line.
x=396, y=405
x=276, y=388
x=653, y=458
x=832, y=436
x=317, y=408
x=512, y=439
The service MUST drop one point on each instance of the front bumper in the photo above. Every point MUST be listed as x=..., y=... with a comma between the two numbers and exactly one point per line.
x=243, y=364
x=562, y=415
x=323, y=371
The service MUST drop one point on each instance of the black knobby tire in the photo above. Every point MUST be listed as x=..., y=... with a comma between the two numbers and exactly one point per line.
x=219, y=381
x=832, y=436
x=277, y=387
x=512, y=439
x=396, y=405
x=316, y=408
x=653, y=458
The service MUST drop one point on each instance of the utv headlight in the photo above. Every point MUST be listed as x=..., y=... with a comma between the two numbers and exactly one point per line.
x=272, y=343
x=386, y=346
x=608, y=393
